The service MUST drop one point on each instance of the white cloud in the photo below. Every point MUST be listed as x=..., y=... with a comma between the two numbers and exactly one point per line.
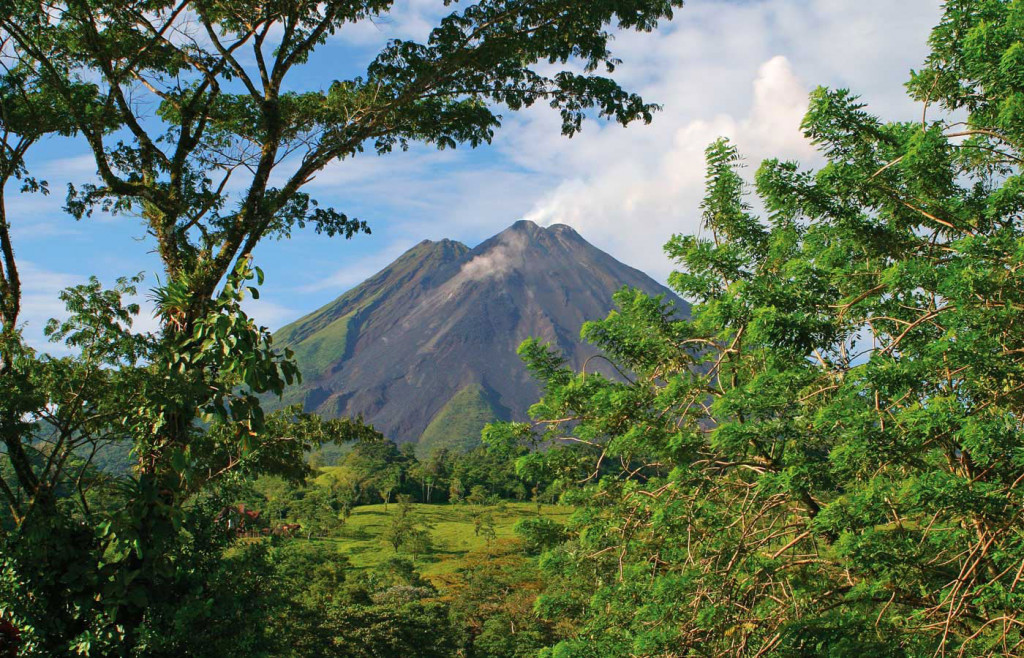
x=742, y=71
x=502, y=259
x=70, y=168
x=268, y=314
x=654, y=186
x=35, y=217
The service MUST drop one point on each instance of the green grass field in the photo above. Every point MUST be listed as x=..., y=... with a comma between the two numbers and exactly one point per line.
x=451, y=530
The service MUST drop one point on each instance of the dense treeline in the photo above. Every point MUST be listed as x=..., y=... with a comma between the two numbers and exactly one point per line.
x=375, y=470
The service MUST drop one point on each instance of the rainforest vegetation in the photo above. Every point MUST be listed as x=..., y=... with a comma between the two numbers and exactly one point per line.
x=825, y=458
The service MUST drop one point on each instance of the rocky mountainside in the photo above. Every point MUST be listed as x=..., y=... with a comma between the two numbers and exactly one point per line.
x=426, y=349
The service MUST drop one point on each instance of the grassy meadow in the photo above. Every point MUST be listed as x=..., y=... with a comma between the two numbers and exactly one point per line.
x=451, y=528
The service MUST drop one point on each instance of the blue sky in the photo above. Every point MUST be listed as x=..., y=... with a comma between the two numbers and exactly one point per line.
x=740, y=69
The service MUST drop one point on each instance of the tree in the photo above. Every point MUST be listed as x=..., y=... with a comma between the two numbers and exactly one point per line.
x=173, y=112
x=478, y=495
x=539, y=534
x=316, y=513
x=405, y=531
x=378, y=466
x=435, y=471
x=825, y=458
x=308, y=578
x=41, y=445
x=431, y=473
x=456, y=491
x=386, y=482
x=492, y=594
x=419, y=628
x=483, y=526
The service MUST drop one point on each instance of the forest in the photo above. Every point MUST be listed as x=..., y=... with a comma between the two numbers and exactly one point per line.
x=825, y=458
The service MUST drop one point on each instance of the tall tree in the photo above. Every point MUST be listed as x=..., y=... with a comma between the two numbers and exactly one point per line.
x=181, y=102
x=47, y=449
x=826, y=459
x=28, y=113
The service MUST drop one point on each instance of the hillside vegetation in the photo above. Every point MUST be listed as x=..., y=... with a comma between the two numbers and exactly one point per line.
x=457, y=426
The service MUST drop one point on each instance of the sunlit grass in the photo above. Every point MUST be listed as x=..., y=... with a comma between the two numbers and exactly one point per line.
x=451, y=527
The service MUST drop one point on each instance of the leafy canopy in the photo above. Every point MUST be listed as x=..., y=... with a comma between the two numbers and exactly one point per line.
x=826, y=458
x=201, y=128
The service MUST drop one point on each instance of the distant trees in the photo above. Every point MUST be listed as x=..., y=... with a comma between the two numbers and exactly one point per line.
x=478, y=495
x=373, y=471
x=432, y=472
x=456, y=490
x=376, y=470
x=399, y=529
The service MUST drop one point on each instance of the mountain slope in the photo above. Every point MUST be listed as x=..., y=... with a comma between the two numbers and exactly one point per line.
x=458, y=424
x=425, y=349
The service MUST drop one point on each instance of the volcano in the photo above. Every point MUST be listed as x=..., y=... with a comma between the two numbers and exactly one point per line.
x=425, y=349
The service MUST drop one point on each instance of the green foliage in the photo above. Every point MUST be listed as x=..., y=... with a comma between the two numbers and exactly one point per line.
x=318, y=512
x=403, y=623
x=492, y=593
x=324, y=610
x=483, y=525
x=825, y=459
x=540, y=534
x=374, y=469
x=111, y=541
x=171, y=111
x=405, y=532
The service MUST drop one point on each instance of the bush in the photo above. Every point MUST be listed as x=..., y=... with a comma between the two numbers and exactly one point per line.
x=540, y=534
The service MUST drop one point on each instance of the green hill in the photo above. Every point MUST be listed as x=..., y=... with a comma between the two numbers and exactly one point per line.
x=458, y=424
